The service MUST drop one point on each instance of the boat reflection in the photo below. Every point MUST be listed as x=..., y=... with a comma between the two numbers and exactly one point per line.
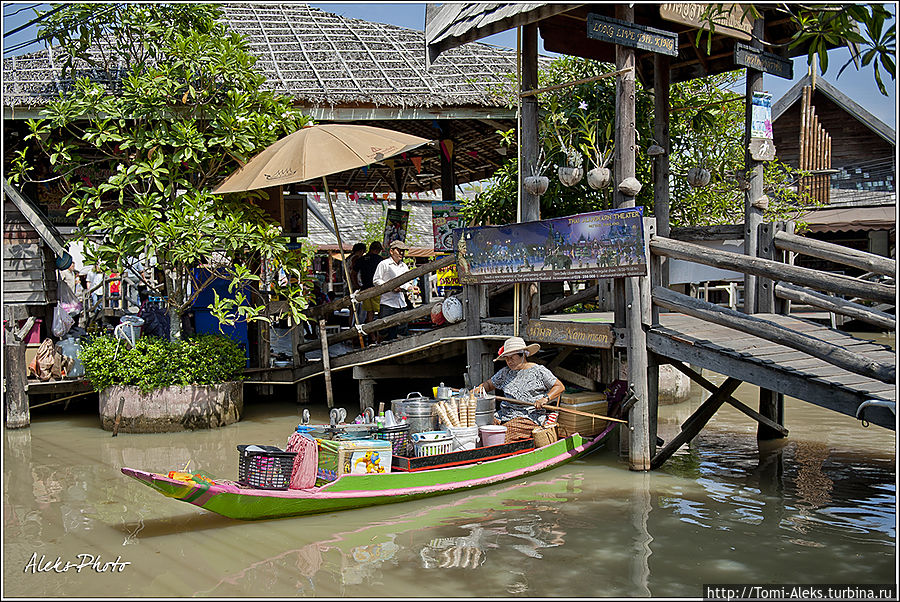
x=359, y=556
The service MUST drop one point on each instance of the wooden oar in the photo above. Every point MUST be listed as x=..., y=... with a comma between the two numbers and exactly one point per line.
x=564, y=409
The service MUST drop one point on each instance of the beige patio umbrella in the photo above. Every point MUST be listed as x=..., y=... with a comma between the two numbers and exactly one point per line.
x=316, y=152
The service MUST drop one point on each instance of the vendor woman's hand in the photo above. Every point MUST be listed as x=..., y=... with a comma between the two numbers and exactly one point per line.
x=540, y=402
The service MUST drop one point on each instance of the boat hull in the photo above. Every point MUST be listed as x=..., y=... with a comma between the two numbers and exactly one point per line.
x=357, y=491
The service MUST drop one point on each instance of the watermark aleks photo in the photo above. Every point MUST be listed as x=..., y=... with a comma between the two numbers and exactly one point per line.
x=83, y=562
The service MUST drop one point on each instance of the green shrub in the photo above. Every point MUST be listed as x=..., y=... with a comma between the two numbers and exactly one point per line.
x=156, y=362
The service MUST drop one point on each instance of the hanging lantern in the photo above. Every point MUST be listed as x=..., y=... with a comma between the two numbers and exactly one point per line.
x=536, y=184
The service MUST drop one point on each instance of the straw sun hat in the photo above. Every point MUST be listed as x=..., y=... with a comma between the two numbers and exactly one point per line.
x=515, y=345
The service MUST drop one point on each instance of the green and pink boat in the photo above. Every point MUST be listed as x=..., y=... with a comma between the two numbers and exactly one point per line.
x=350, y=491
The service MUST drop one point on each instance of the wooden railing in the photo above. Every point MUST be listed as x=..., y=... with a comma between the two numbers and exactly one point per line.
x=785, y=278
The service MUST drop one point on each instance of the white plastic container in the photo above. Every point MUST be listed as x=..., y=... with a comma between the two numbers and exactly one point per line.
x=492, y=434
x=464, y=437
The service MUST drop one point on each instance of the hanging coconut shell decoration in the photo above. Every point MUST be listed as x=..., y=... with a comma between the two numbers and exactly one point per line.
x=698, y=177
x=629, y=187
x=599, y=177
x=536, y=184
x=570, y=176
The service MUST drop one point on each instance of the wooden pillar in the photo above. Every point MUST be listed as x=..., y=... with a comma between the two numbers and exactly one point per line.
x=448, y=167
x=366, y=394
x=531, y=203
x=661, y=78
x=18, y=414
x=398, y=185
x=528, y=138
x=475, y=308
x=303, y=396
x=326, y=362
x=624, y=167
x=771, y=404
x=752, y=214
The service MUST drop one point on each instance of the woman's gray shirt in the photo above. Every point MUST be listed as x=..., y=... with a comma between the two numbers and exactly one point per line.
x=527, y=384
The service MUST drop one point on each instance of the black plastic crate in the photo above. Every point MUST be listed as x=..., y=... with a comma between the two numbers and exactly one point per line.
x=398, y=436
x=268, y=469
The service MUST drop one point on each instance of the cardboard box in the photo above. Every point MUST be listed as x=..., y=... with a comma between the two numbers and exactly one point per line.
x=355, y=456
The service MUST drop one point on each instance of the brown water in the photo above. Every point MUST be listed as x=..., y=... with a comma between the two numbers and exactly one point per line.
x=818, y=507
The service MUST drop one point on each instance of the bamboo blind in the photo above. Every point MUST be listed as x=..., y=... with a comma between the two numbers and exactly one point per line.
x=815, y=150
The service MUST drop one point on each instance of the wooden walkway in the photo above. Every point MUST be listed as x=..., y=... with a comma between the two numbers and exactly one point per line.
x=776, y=367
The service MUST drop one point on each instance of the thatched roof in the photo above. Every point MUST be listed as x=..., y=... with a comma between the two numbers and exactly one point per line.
x=320, y=59
x=349, y=70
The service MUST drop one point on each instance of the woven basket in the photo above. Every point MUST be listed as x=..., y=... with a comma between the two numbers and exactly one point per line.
x=544, y=435
x=519, y=428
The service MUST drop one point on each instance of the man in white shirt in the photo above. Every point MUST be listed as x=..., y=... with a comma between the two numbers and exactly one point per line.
x=393, y=302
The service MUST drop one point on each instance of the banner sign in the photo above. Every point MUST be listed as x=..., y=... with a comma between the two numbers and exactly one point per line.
x=601, y=244
x=447, y=281
x=747, y=56
x=632, y=35
x=761, y=116
x=445, y=217
x=582, y=334
x=730, y=20
x=395, y=224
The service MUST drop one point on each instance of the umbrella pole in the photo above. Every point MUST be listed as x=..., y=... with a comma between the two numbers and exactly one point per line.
x=354, y=305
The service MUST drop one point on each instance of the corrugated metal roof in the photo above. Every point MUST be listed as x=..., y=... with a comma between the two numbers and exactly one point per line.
x=844, y=219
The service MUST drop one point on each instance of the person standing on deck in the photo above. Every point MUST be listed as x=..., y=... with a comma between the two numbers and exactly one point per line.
x=366, y=266
x=394, y=302
x=359, y=249
x=522, y=380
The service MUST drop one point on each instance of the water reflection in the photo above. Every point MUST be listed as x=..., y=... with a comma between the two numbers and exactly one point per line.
x=722, y=509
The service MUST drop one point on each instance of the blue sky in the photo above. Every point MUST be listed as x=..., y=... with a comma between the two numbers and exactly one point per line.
x=858, y=85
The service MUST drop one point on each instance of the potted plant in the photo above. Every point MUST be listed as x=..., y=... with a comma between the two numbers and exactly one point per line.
x=572, y=172
x=600, y=176
x=537, y=183
x=164, y=386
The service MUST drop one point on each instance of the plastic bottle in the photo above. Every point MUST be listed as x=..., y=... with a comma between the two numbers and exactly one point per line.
x=379, y=421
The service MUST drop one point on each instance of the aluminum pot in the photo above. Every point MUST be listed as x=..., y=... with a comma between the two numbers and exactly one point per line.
x=419, y=411
x=484, y=410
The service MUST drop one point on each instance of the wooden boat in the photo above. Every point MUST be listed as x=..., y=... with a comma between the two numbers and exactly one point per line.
x=359, y=490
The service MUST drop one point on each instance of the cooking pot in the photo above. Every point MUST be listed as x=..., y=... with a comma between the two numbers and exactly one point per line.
x=419, y=411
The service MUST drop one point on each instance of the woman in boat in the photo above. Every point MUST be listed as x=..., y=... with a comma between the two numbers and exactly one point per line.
x=522, y=380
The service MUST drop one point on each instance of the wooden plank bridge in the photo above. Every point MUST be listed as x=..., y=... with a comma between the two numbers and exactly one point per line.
x=777, y=367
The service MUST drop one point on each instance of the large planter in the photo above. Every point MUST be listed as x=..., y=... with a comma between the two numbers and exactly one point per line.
x=172, y=409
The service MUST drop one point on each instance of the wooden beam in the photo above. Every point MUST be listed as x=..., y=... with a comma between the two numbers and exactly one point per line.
x=572, y=83
x=770, y=331
x=376, y=371
x=816, y=279
x=696, y=422
x=587, y=294
x=836, y=305
x=709, y=386
x=326, y=308
x=868, y=262
x=576, y=379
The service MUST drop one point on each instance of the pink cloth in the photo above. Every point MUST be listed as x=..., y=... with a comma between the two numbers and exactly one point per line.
x=306, y=462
